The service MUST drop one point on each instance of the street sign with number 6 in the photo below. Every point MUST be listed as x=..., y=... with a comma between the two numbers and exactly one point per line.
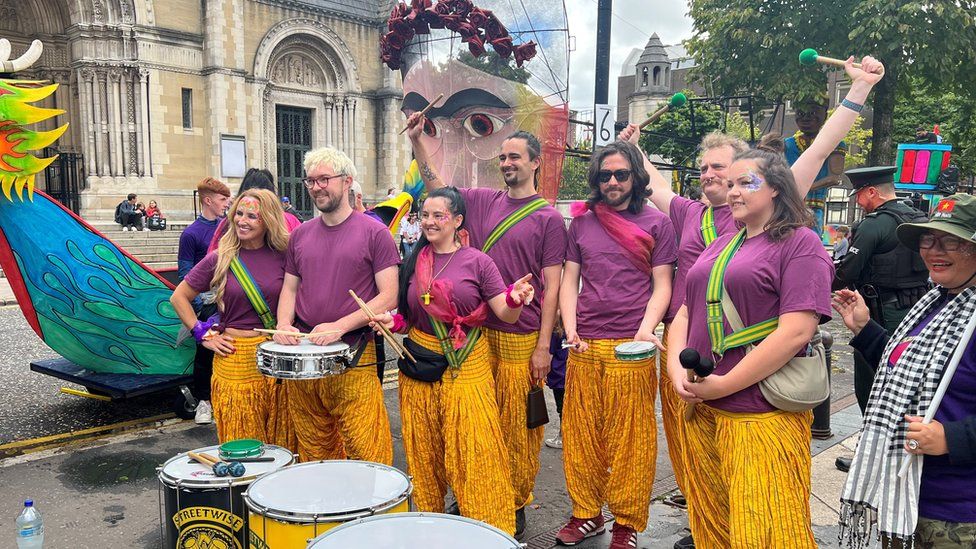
x=605, y=132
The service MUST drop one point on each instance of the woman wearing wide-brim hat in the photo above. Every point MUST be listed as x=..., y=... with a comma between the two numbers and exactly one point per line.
x=934, y=505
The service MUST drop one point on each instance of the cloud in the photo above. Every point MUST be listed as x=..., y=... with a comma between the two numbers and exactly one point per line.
x=634, y=21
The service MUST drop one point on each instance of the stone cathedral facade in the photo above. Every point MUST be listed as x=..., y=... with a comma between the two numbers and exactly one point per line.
x=161, y=93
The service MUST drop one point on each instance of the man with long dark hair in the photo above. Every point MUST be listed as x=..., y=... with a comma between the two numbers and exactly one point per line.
x=623, y=251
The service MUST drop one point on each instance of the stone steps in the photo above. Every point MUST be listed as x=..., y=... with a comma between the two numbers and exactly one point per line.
x=156, y=249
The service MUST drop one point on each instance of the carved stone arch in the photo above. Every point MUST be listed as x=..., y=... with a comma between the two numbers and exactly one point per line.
x=109, y=13
x=326, y=47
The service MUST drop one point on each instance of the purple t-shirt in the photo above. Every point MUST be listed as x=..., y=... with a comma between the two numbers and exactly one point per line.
x=765, y=279
x=332, y=260
x=536, y=242
x=267, y=268
x=195, y=241
x=615, y=293
x=686, y=214
x=948, y=492
x=475, y=278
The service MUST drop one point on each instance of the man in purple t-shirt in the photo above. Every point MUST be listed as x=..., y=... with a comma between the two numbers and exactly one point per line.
x=194, y=241
x=536, y=244
x=342, y=415
x=623, y=252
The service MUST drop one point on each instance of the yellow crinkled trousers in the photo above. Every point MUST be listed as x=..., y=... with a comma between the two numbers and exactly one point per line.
x=452, y=437
x=512, y=354
x=672, y=416
x=750, y=479
x=609, y=433
x=342, y=415
x=239, y=393
x=281, y=430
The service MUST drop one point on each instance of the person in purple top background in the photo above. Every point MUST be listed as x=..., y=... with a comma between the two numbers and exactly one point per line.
x=751, y=486
x=936, y=508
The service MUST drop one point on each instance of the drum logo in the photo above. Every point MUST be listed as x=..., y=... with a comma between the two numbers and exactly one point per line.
x=207, y=528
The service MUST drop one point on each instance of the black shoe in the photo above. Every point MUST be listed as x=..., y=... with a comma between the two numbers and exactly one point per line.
x=519, y=523
x=453, y=509
x=843, y=464
x=686, y=542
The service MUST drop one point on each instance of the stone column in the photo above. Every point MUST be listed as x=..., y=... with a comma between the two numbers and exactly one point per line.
x=88, y=129
x=142, y=135
x=116, y=154
x=329, y=122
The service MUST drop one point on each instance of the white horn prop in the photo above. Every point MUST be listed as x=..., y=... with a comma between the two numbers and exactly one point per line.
x=29, y=57
x=4, y=49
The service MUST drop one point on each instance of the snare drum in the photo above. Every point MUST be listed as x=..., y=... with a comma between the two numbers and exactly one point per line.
x=200, y=509
x=291, y=506
x=633, y=351
x=413, y=530
x=303, y=361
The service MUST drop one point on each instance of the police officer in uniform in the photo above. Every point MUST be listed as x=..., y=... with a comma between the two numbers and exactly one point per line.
x=890, y=276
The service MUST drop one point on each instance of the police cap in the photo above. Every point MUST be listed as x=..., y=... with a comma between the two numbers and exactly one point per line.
x=869, y=177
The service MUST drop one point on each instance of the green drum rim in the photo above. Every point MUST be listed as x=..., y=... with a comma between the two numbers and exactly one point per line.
x=631, y=356
x=242, y=448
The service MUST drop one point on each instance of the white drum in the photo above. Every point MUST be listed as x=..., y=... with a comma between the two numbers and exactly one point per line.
x=415, y=531
x=196, y=504
x=303, y=361
x=288, y=507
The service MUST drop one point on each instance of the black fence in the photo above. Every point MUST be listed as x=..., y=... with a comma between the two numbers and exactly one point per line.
x=64, y=178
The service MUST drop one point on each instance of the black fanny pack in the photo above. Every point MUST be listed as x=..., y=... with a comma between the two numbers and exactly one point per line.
x=430, y=366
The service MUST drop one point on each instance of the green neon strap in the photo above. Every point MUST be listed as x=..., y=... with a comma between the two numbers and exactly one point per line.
x=512, y=220
x=252, y=292
x=708, y=226
x=713, y=304
x=454, y=357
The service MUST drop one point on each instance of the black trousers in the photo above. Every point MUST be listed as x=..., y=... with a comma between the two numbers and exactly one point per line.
x=202, y=371
x=557, y=395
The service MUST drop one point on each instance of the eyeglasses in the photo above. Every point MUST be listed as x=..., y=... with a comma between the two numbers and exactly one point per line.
x=311, y=183
x=947, y=243
x=620, y=175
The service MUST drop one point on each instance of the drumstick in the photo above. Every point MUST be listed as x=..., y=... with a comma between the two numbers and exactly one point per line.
x=400, y=350
x=427, y=108
x=299, y=335
x=201, y=459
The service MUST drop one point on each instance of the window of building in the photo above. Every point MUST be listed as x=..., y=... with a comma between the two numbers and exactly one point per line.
x=187, y=108
x=644, y=77
x=657, y=76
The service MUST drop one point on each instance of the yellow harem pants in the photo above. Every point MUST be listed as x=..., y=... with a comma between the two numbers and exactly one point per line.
x=672, y=416
x=240, y=394
x=342, y=415
x=512, y=354
x=281, y=430
x=750, y=479
x=452, y=437
x=609, y=433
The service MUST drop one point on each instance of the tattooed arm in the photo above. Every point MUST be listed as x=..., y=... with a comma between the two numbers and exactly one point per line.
x=415, y=127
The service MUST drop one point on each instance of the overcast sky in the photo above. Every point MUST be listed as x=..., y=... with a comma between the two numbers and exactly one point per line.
x=632, y=24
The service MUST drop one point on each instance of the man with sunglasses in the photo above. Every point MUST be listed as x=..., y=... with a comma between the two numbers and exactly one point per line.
x=890, y=276
x=342, y=415
x=521, y=233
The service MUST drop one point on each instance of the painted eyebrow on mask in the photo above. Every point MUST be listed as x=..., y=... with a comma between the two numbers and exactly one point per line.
x=463, y=99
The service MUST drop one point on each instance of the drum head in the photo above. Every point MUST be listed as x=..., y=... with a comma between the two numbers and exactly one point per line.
x=241, y=448
x=413, y=530
x=304, y=348
x=635, y=348
x=327, y=490
x=180, y=471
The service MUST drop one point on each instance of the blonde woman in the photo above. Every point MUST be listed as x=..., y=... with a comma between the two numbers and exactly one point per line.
x=252, y=256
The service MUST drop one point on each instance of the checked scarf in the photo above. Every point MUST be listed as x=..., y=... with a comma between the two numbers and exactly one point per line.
x=874, y=495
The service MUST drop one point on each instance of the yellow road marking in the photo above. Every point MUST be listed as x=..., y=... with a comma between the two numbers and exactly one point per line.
x=86, y=394
x=49, y=439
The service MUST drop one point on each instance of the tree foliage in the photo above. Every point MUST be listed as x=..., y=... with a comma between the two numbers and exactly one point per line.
x=954, y=113
x=744, y=45
x=492, y=63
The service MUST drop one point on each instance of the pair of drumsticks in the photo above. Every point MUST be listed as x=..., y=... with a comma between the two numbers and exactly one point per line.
x=401, y=351
x=220, y=468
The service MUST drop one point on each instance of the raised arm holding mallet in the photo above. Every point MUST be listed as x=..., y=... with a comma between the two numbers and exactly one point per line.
x=810, y=56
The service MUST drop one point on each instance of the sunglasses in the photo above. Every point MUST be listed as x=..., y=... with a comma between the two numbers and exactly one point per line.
x=620, y=175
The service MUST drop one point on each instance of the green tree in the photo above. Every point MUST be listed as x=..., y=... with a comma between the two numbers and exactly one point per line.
x=491, y=63
x=953, y=112
x=748, y=45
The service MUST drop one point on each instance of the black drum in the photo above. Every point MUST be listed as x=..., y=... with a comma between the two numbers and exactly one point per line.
x=201, y=510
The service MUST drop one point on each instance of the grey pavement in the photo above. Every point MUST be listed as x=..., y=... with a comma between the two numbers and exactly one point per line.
x=6, y=294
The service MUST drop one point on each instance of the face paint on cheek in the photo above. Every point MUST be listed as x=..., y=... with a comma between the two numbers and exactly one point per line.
x=754, y=184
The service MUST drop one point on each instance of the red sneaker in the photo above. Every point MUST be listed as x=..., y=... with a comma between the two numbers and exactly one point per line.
x=577, y=529
x=624, y=537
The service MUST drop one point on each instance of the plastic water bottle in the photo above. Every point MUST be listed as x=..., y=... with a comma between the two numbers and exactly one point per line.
x=30, y=528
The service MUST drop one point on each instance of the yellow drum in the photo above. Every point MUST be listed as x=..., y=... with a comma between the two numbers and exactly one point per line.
x=289, y=507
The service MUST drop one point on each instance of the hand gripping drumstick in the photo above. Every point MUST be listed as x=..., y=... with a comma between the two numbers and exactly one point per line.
x=810, y=56
x=695, y=367
x=400, y=350
x=677, y=100
x=427, y=108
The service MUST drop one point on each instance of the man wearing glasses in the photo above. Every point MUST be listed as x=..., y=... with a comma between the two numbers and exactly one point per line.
x=622, y=250
x=890, y=276
x=342, y=415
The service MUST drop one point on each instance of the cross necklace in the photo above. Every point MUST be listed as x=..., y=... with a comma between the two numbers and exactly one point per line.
x=426, y=295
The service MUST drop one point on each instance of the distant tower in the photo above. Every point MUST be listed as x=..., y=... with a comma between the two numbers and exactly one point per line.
x=652, y=80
